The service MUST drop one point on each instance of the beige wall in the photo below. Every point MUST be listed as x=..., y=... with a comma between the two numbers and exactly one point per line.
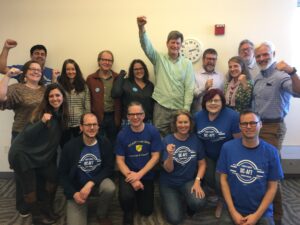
x=79, y=29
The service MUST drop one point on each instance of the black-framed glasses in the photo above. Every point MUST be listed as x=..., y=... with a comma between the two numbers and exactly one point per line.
x=251, y=124
x=135, y=114
x=106, y=60
x=90, y=125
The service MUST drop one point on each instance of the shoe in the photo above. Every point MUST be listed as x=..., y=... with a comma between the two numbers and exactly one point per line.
x=128, y=218
x=24, y=214
x=219, y=209
x=190, y=212
x=104, y=221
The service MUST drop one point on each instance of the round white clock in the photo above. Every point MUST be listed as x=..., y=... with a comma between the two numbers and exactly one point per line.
x=191, y=49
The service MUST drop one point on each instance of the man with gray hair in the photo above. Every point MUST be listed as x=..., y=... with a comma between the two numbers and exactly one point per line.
x=174, y=76
x=273, y=88
x=246, y=52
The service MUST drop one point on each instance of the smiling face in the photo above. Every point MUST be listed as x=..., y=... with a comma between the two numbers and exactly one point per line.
x=209, y=62
x=264, y=57
x=71, y=71
x=136, y=116
x=55, y=99
x=250, y=126
x=40, y=56
x=138, y=71
x=235, y=69
x=105, y=61
x=174, y=46
x=34, y=73
x=214, y=105
x=183, y=124
x=90, y=126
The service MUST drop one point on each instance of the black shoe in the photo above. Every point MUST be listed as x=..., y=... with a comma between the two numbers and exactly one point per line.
x=128, y=218
x=190, y=212
x=42, y=220
x=24, y=213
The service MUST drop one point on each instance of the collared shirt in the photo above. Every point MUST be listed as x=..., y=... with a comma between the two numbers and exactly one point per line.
x=272, y=93
x=201, y=78
x=253, y=68
x=175, y=80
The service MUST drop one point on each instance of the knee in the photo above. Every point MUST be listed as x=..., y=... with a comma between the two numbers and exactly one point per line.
x=175, y=219
x=107, y=186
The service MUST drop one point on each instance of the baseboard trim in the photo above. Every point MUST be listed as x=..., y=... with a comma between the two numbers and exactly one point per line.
x=6, y=175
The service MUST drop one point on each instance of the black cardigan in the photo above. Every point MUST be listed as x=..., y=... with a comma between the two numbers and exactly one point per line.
x=68, y=164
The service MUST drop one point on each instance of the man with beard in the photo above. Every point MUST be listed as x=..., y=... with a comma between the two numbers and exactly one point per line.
x=37, y=53
x=273, y=88
x=207, y=78
x=246, y=52
x=85, y=169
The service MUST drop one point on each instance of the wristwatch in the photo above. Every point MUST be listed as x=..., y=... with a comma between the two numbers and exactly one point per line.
x=294, y=71
x=198, y=179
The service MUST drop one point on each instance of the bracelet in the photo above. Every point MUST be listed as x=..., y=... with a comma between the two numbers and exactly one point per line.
x=198, y=179
x=294, y=71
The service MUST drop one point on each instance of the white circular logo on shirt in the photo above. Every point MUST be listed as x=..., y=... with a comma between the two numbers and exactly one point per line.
x=246, y=171
x=89, y=162
x=183, y=155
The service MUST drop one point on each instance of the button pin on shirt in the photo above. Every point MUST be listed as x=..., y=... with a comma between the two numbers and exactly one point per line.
x=269, y=84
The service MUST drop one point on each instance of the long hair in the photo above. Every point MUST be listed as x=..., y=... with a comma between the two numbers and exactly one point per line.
x=45, y=106
x=25, y=69
x=131, y=70
x=79, y=82
x=241, y=62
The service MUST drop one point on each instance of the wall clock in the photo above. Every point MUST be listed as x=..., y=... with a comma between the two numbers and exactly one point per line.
x=191, y=48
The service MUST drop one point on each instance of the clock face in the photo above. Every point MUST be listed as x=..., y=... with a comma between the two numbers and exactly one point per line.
x=191, y=49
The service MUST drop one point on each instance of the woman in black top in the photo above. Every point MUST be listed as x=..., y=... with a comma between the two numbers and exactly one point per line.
x=136, y=87
x=34, y=151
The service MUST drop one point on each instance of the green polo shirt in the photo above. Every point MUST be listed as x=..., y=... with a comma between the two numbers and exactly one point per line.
x=175, y=80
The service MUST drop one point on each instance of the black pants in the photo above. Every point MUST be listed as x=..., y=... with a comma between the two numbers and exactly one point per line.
x=108, y=127
x=143, y=198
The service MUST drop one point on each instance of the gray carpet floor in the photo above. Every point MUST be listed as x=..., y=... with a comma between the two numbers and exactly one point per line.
x=9, y=216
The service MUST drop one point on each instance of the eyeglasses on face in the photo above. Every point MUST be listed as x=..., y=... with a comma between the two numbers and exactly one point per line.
x=251, y=124
x=214, y=101
x=135, y=114
x=90, y=125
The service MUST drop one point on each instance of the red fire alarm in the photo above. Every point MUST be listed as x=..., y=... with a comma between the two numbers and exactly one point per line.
x=219, y=29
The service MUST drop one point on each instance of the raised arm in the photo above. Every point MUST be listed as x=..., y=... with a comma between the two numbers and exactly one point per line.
x=168, y=163
x=283, y=66
x=9, y=43
x=4, y=82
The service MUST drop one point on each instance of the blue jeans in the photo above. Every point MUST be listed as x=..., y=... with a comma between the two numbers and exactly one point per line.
x=172, y=201
x=227, y=220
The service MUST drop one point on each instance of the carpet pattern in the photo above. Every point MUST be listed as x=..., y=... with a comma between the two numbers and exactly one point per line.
x=9, y=216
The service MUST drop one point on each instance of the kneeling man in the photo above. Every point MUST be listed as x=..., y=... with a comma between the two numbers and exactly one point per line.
x=250, y=170
x=85, y=167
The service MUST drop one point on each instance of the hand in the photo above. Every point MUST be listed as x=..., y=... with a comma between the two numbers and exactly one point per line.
x=132, y=177
x=251, y=219
x=137, y=185
x=198, y=190
x=86, y=190
x=238, y=218
x=12, y=72
x=46, y=117
x=141, y=21
x=283, y=66
x=9, y=43
x=243, y=80
x=55, y=75
x=209, y=83
x=77, y=198
x=170, y=149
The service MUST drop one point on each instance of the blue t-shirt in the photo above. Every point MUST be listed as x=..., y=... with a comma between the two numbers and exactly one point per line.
x=89, y=163
x=47, y=74
x=137, y=147
x=186, y=156
x=215, y=133
x=248, y=172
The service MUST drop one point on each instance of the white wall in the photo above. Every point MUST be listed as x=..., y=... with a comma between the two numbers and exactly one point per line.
x=79, y=29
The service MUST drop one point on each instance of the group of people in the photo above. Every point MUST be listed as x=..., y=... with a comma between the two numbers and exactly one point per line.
x=197, y=125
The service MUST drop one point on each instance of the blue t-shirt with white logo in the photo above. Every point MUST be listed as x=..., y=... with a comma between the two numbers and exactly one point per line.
x=248, y=172
x=186, y=156
x=215, y=133
x=137, y=147
x=89, y=163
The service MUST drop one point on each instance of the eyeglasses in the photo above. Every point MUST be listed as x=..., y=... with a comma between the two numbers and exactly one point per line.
x=246, y=49
x=210, y=59
x=135, y=114
x=138, y=69
x=214, y=101
x=251, y=124
x=90, y=125
x=106, y=60
x=35, y=70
